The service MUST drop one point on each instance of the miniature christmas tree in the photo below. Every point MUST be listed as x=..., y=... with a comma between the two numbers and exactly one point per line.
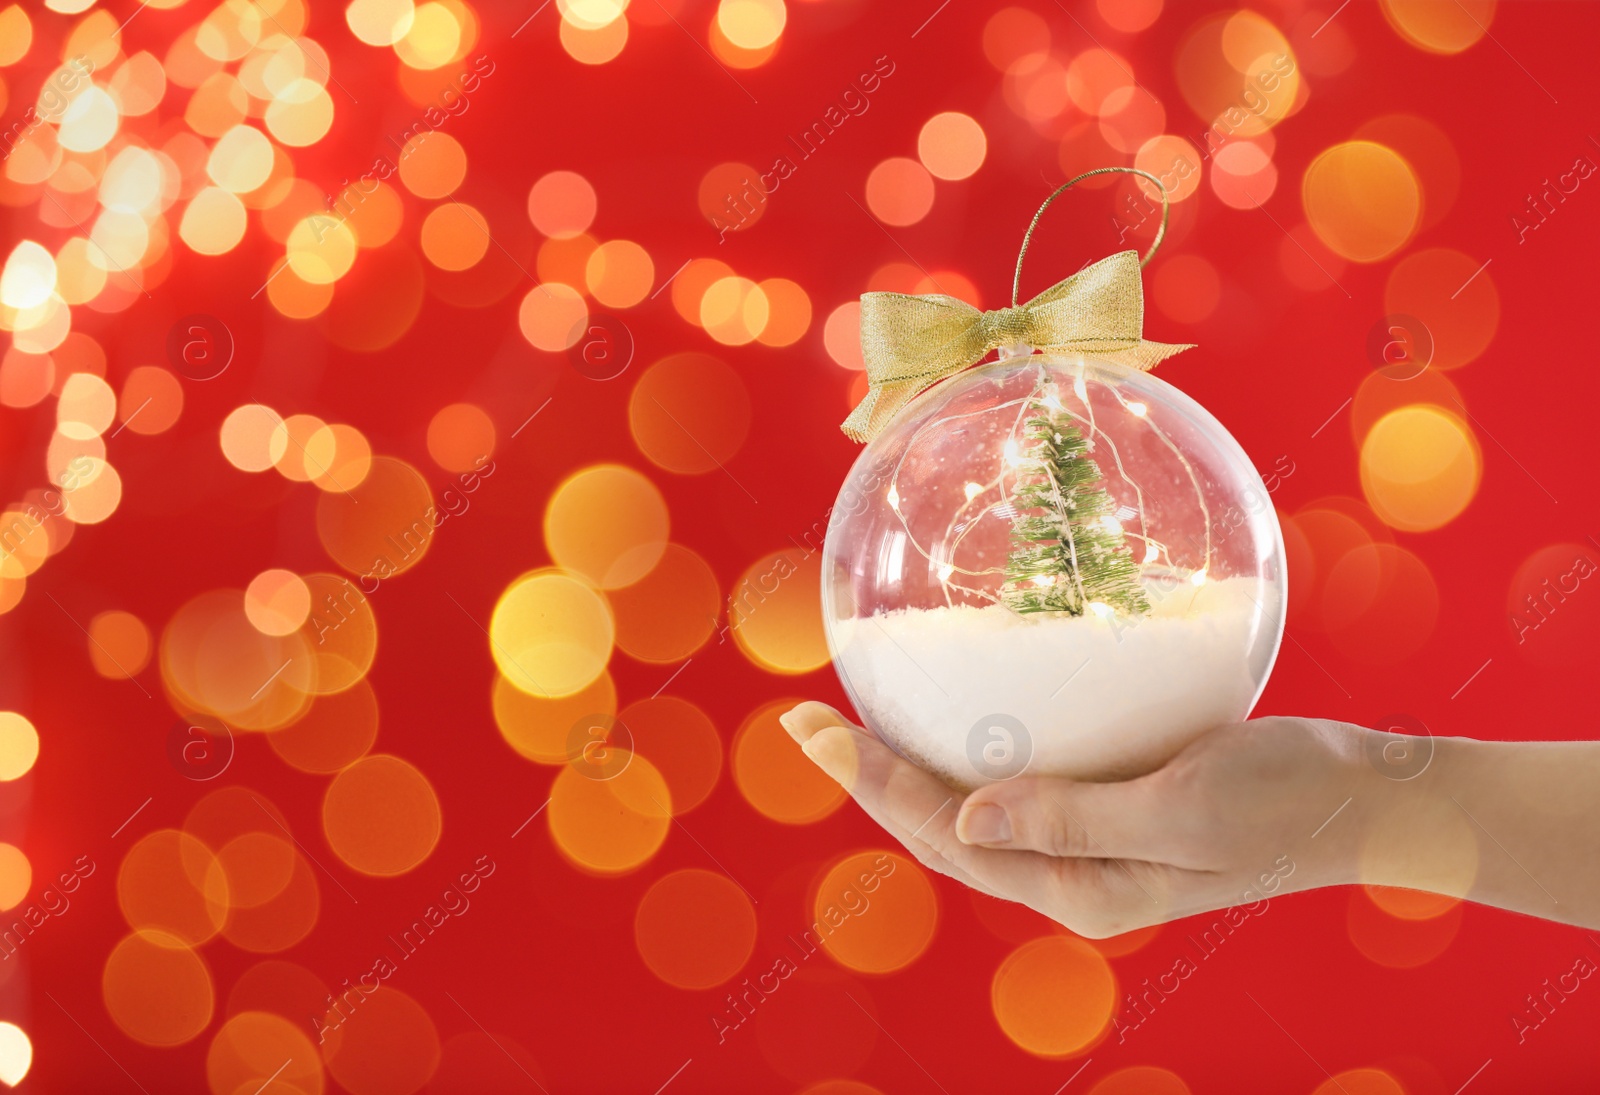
x=1068, y=553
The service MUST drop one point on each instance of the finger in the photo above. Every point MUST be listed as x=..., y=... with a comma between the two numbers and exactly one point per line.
x=807, y=718
x=1069, y=818
x=839, y=751
x=905, y=799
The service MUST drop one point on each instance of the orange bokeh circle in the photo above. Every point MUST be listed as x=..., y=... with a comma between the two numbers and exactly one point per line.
x=381, y=815
x=1054, y=996
x=669, y=613
x=610, y=826
x=695, y=929
x=157, y=989
x=379, y=1042
x=775, y=777
x=337, y=731
x=681, y=741
x=382, y=527
x=540, y=727
x=876, y=911
x=689, y=413
x=775, y=612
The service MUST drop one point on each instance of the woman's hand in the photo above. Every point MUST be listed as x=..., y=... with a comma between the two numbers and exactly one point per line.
x=1245, y=813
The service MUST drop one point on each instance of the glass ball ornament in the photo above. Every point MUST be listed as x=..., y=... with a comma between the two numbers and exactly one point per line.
x=1055, y=565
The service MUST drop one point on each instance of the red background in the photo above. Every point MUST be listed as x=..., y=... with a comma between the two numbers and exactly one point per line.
x=548, y=960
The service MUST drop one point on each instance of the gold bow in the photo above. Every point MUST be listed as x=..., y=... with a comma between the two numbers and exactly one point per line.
x=911, y=343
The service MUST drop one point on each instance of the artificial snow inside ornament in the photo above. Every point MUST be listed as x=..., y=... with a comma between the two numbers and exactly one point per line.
x=1053, y=563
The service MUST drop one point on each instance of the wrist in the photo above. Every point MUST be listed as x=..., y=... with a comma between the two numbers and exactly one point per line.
x=1412, y=830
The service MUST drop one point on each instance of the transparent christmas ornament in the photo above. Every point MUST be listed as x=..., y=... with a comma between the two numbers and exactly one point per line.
x=1053, y=565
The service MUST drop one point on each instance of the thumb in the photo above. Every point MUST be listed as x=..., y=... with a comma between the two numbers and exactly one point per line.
x=1068, y=818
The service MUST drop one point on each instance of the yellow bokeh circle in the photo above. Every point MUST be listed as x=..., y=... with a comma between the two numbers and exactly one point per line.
x=551, y=633
x=1420, y=467
x=608, y=523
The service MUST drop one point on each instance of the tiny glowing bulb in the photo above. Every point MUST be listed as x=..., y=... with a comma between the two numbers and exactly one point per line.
x=1151, y=553
x=945, y=570
x=1081, y=389
x=1198, y=578
x=894, y=499
x=1046, y=580
x=1053, y=401
x=1013, y=452
x=1100, y=609
x=1111, y=524
x=973, y=490
x=1138, y=409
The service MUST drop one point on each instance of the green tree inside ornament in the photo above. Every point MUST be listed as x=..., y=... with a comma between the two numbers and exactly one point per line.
x=1068, y=555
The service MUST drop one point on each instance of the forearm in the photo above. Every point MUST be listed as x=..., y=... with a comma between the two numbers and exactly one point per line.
x=1510, y=824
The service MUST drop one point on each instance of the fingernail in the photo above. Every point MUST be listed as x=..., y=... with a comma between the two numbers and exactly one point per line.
x=786, y=720
x=984, y=824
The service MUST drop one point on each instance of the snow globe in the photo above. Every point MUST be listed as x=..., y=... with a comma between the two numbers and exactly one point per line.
x=1055, y=564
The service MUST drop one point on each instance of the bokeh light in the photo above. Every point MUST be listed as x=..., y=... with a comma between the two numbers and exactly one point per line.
x=119, y=644
x=335, y=732
x=455, y=236
x=610, y=826
x=540, y=728
x=151, y=402
x=380, y=22
x=171, y=882
x=562, y=204
x=460, y=437
x=734, y=311
x=683, y=744
x=385, y=1044
x=1440, y=28
x=695, y=929
x=384, y=525
x=19, y=745
x=1545, y=622
x=1142, y=1080
x=594, y=46
x=1054, y=996
x=899, y=191
x=751, y=24
x=553, y=316
x=952, y=145
x=689, y=413
x=1397, y=942
x=277, y=601
x=1013, y=33
x=381, y=815
x=258, y=1051
x=904, y=911
x=774, y=776
x=1455, y=298
x=433, y=165
x=16, y=876
x=669, y=613
x=1362, y=200
x=157, y=989
x=841, y=335
x=1420, y=467
x=1380, y=604
x=775, y=611
x=608, y=523
x=788, y=312
x=619, y=273
x=551, y=633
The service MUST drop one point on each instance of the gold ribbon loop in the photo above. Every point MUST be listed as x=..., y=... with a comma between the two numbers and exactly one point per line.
x=910, y=343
